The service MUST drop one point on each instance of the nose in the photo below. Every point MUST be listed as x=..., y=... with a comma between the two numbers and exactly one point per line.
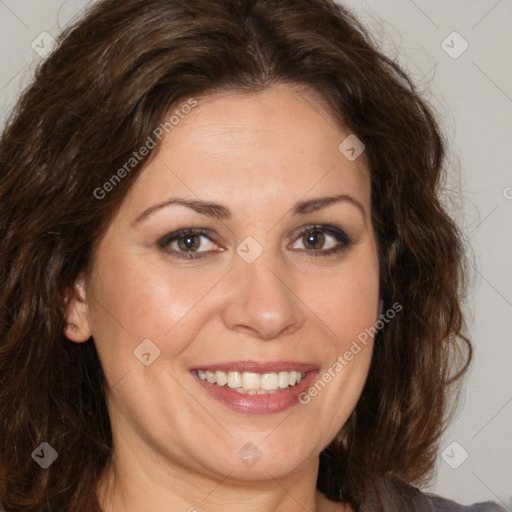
x=261, y=301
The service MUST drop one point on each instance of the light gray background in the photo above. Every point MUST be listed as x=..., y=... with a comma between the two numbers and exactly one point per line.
x=473, y=95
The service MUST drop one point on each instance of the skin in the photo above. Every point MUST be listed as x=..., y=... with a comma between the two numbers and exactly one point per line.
x=175, y=448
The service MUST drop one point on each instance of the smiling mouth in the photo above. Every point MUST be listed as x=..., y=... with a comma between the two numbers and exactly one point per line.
x=251, y=383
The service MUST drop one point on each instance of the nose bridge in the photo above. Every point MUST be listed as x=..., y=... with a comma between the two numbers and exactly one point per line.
x=260, y=281
x=262, y=300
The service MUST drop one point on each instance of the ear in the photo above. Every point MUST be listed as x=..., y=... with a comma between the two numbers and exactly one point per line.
x=77, y=327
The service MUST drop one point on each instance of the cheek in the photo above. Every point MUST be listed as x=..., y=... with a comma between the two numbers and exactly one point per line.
x=348, y=307
x=347, y=300
x=138, y=298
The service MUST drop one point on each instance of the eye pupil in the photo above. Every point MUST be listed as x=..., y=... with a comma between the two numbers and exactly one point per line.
x=315, y=239
x=186, y=243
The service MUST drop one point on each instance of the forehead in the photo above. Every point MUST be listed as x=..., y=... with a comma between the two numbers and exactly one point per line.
x=264, y=146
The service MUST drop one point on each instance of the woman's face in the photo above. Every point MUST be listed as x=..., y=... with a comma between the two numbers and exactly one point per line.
x=278, y=282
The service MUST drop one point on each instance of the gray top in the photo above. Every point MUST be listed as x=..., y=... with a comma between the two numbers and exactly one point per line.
x=401, y=497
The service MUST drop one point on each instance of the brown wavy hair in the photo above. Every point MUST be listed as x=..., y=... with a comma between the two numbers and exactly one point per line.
x=112, y=79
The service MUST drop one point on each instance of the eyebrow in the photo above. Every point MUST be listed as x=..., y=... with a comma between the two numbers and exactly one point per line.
x=217, y=211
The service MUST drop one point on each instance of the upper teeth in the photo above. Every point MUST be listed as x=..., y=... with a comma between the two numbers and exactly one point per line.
x=252, y=381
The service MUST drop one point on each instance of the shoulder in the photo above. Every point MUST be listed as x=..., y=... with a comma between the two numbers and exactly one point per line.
x=438, y=503
x=396, y=495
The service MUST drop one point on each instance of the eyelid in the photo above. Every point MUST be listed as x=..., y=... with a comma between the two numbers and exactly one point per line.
x=344, y=240
x=166, y=240
x=326, y=228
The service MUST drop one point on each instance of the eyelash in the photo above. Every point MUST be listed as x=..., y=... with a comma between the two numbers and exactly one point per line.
x=344, y=241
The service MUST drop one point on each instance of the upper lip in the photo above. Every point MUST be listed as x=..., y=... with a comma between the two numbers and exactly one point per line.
x=257, y=366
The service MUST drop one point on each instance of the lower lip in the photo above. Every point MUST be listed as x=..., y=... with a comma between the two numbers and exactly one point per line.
x=258, y=404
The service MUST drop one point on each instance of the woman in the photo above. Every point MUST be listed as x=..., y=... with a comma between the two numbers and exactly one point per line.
x=228, y=281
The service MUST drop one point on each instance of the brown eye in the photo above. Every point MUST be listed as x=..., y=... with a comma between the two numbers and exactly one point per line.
x=314, y=239
x=189, y=243
x=319, y=240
